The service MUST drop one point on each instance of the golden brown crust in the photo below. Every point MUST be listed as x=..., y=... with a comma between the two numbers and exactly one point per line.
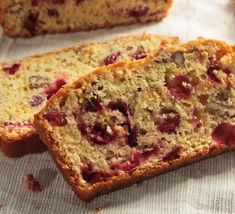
x=127, y=179
x=142, y=20
x=28, y=143
x=141, y=173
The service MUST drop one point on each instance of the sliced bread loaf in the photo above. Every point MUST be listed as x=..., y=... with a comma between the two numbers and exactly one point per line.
x=132, y=120
x=25, y=18
x=27, y=84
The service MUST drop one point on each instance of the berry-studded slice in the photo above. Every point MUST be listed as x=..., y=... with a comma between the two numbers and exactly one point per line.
x=137, y=119
x=27, y=85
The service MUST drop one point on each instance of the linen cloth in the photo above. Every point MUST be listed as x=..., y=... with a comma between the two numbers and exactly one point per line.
x=203, y=188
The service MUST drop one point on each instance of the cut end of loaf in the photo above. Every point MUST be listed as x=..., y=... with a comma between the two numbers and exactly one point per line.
x=130, y=121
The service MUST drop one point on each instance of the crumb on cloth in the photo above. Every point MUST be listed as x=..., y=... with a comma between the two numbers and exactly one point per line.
x=32, y=184
x=98, y=209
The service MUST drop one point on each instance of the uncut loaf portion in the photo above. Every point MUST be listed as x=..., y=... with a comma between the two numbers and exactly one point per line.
x=130, y=121
x=27, y=84
x=26, y=18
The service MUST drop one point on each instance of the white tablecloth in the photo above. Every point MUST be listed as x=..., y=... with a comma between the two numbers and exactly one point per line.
x=205, y=187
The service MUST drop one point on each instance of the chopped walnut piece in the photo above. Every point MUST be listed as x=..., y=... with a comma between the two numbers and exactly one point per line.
x=178, y=58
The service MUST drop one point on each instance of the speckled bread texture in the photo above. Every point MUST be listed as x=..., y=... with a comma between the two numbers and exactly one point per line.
x=26, y=18
x=130, y=121
x=28, y=83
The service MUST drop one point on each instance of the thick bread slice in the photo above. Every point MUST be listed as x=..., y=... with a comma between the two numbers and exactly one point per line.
x=26, y=18
x=132, y=120
x=25, y=85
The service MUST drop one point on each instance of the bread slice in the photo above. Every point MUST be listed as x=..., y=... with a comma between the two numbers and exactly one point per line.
x=130, y=121
x=26, y=18
x=25, y=85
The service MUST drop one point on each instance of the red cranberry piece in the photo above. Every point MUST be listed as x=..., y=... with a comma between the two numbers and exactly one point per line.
x=31, y=22
x=119, y=106
x=12, y=69
x=132, y=137
x=55, y=87
x=129, y=164
x=112, y=58
x=125, y=166
x=37, y=100
x=60, y=82
x=138, y=55
x=227, y=71
x=173, y=154
x=100, y=134
x=224, y=133
x=58, y=1
x=91, y=175
x=169, y=121
x=97, y=133
x=136, y=157
x=51, y=91
x=138, y=12
x=180, y=87
x=150, y=150
x=93, y=105
x=56, y=118
x=36, y=2
x=125, y=110
x=211, y=73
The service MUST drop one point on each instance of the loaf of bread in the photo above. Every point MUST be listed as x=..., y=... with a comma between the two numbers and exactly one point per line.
x=132, y=120
x=26, y=18
x=25, y=85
